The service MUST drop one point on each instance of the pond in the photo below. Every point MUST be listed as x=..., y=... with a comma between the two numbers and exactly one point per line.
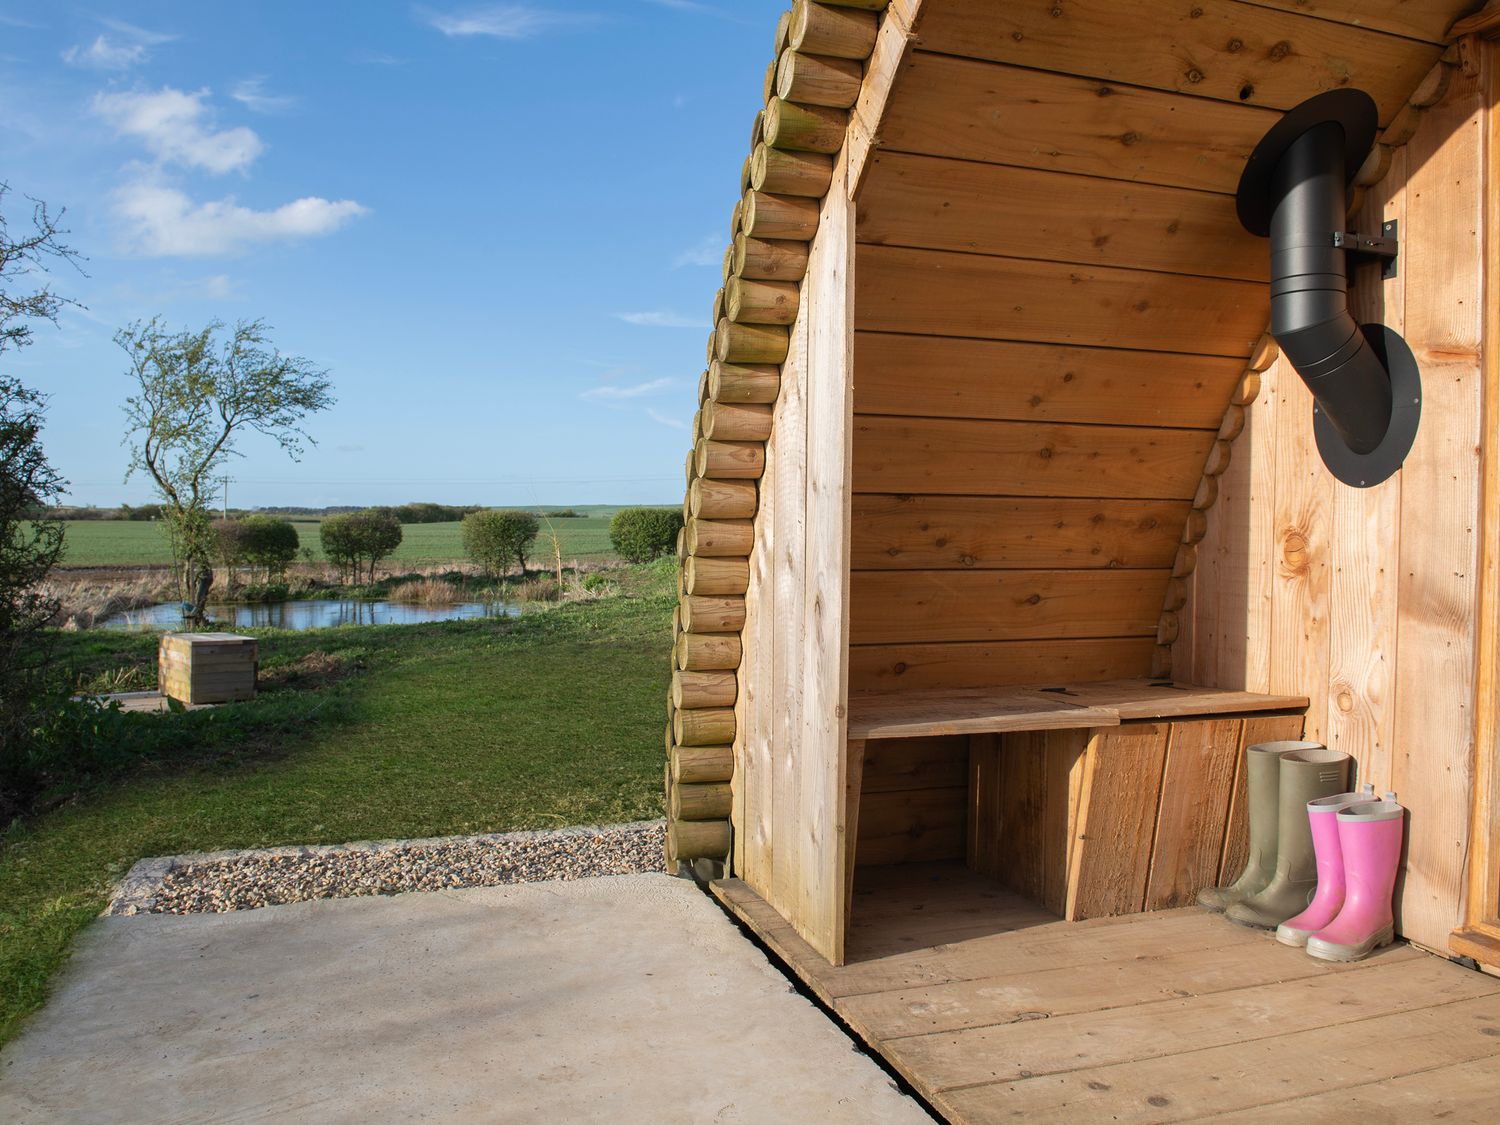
x=299, y=615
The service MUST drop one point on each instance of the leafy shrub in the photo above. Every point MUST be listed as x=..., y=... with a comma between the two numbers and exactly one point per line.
x=642, y=534
x=359, y=538
x=270, y=543
x=424, y=512
x=494, y=538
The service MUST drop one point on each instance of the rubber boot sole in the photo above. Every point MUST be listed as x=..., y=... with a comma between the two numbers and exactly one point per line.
x=1331, y=951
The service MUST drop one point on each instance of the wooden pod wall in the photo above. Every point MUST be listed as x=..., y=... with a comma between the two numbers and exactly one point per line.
x=812, y=83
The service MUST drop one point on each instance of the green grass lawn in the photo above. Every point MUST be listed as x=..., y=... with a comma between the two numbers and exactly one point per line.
x=550, y=719
x=140, y=543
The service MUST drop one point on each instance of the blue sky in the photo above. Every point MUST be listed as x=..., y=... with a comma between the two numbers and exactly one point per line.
x=499, y=226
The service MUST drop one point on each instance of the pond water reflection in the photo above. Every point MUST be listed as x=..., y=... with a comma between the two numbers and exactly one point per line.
x=298, y=615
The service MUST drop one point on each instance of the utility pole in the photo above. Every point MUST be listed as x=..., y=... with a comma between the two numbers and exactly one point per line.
x=224, y=480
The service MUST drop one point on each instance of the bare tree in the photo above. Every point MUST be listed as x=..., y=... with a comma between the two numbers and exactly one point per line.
x=195, y=395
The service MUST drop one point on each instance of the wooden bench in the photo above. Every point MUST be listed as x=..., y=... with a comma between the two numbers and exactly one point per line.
x=1095, y=798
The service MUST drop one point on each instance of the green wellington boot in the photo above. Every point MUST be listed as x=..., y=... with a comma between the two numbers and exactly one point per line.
x=1306, y=775
x=1263, y=772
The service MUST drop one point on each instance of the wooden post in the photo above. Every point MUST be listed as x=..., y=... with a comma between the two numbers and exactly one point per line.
x=731, y=460
x=823, y=29
x=806, y=128
x=751, y=343
x=694, y=765
x=693, y=690
x=716, y=577
x=711, y=727
x=814, y=80
x=700, y=802
x=712, y=615
x=784, y=217
x=720, y=538
x=707, y=652
x=698, y=839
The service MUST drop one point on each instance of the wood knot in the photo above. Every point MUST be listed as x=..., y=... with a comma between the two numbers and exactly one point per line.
x=1234, y=46
x=899, y=668
x=1035, y=599
x=967, y=560
x=1295, y=551
x=1045, y=453
x=1279, y=51
x=1103, y=92
x=1130, y=138
x=1195, y=76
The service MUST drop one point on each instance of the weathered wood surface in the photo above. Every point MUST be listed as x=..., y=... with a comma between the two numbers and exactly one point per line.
x=914, y=532
x=1055, y=302
x=1149, y=1017
x=1010, y=380
x=1041, y=706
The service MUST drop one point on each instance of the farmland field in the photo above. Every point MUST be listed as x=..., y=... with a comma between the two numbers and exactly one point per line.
x=139, y=543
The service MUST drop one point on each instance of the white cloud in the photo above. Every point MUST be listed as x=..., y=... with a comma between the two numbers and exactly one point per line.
x=101, y=54
x=657, y=416
x=251, y=93
x=162, y=221
x=661, y=319
x=707, y=251
x=634, y=391
x=176, y=126
x=502, y=21
x=138, y=34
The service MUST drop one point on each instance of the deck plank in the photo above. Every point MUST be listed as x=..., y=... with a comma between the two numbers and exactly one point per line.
x=1006, y=1012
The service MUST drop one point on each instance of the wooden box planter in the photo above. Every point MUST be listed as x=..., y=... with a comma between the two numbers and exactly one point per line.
x=197, y=668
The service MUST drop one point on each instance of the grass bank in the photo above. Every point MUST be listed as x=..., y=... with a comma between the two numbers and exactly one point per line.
x=546, y=720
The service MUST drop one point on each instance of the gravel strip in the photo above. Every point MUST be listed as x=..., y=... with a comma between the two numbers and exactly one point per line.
x=224, y=881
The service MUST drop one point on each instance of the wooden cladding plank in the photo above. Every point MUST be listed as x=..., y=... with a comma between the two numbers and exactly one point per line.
x=1219, y=49
x=971, y=711
x=1121, y=789
x=1428, y=21
x=1257, y=729
x=911, y=825
x=950, y=605
x=945, y=204
x=915, y=763
x=947, y=106
x=824, y=833
x=953, y=457
x=1436, y=638
x=1196, y=785
x=942, y=293
x=923, y=667
x=991, y=533
x=754, y=774
x=1009, y=380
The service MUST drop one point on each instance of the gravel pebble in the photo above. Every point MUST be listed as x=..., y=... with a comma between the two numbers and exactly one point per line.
x=271, y=877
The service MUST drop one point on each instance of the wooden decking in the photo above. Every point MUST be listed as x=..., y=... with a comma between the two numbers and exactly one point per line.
x=993, y=1009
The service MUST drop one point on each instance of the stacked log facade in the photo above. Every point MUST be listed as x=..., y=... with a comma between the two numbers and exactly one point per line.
x=813, y=82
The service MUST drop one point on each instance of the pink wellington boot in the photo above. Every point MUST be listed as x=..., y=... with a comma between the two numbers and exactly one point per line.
x=1370, y=839
x=1328, y=900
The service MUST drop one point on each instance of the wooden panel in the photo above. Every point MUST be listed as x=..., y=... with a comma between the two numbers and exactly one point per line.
x=1364, y=600
x=1256, y=729
x=1363, y=589
x=912, y=825
x=900, y=668
x=1025, y=382
x=972, y=110
x=824, y=850
x=1429, y=20
x=1010, y=1052
x=754, y=774
x=1432, y=763
x=1210, y=48
x=940, y=456
x=944, y=204
x=957, y=605
x=930, y=762
x=1121, y=789
x=1014, y=299
x=983, y=533
x=907, y=715
x=1161, y=699
x=788, y=553
x=1195, y=789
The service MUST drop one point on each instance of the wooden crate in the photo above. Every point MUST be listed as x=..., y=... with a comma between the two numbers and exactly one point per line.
x=207, y=667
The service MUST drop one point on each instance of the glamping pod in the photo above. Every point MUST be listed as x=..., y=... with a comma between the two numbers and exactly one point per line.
x=1097, y=390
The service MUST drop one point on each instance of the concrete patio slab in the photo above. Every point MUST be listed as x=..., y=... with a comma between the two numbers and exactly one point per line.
x=629, y=998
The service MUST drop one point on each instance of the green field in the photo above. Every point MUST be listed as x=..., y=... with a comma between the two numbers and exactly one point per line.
x=139, y=543
x=549, y=719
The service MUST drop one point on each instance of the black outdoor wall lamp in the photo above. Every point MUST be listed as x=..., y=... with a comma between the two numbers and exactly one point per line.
x=1367, y=391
